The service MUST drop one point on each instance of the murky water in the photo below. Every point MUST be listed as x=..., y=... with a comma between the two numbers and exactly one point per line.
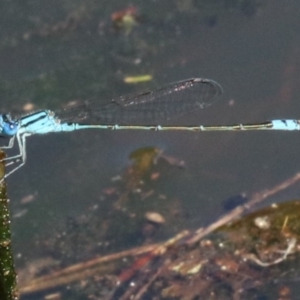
x=57, y=52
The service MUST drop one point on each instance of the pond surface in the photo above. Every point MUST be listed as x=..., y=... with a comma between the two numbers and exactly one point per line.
x=53, y=53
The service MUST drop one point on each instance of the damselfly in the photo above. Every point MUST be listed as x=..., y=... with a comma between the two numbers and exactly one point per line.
x=126, y=113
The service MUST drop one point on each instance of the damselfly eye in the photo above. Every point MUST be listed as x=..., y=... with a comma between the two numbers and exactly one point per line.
x=9, y=127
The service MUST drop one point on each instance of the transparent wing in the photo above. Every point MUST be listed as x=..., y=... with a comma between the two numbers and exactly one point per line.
x=146, y=108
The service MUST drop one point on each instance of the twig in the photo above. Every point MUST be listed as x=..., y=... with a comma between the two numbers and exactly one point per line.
x=237, y=212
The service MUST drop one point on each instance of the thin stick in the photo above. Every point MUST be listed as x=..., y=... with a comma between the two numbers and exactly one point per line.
x=237, y=212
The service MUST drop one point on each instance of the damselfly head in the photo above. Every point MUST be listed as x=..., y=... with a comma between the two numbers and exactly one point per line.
x=8, y=127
